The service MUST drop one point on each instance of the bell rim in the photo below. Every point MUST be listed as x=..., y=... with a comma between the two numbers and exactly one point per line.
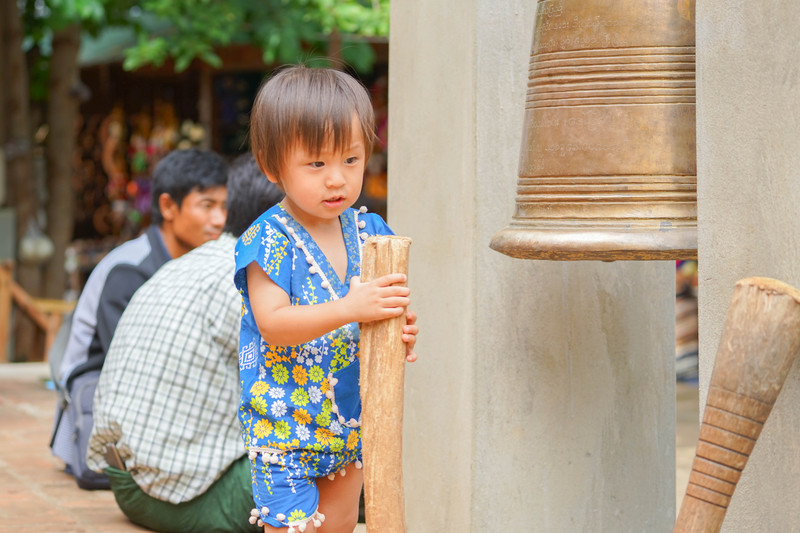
x=598, y=244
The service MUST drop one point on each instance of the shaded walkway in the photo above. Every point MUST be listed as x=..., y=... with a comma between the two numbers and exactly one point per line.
x=36, y=494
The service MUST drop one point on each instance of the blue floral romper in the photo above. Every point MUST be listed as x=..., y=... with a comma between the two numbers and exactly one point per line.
x=300, y=407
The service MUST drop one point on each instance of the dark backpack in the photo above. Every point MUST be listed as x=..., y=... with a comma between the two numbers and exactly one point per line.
x=81, y=395
x=76, y=397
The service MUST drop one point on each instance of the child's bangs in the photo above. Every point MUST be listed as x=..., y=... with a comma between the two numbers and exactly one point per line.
x=325, y=124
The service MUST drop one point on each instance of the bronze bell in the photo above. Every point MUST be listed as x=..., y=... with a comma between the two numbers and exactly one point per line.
x=607, y=166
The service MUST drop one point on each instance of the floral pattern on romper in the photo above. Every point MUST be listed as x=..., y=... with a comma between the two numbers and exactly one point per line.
x=300, y=405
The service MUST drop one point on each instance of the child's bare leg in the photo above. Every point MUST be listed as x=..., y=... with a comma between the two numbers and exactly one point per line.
x=338, y=500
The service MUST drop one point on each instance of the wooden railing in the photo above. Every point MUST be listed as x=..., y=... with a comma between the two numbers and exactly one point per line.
x=46, y=314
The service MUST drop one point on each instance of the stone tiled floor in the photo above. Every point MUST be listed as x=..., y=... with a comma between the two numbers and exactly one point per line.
x=36, y=495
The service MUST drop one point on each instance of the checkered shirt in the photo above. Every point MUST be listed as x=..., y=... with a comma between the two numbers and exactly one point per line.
x=168, y=394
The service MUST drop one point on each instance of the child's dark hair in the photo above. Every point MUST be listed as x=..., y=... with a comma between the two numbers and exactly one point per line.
x=310, y=106
x=250, y=193
x=183, y=171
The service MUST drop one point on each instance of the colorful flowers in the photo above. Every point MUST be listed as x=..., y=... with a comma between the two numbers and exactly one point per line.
x=259, y=404
x=259, y=388
x=262, y=429
x=336, y=445
x=352, y=440
x=282, y=429
x=280, y=374
x=324, y=416
x=300, y=375
x=324, y=436
x=314, y=394
x=302, y=432
x=278, y=409
x=301, y=416
x=299, y=397
x=316, y=374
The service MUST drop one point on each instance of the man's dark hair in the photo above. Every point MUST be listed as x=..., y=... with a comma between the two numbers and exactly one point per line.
x=250, y=193
x=183, y=171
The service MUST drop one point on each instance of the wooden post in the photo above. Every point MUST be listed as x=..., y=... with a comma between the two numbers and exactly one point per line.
x=759, y=344
x=383, y=358
x=5, y=311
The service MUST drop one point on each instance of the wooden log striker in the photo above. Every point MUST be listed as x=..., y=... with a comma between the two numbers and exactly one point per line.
x=759, y=343
x=382, y=376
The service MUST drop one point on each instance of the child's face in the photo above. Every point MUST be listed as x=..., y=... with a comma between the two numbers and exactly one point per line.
x=319, y=187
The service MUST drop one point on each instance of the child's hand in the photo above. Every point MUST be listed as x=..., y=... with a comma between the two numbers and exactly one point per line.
x=410, y=331
x=378, y=299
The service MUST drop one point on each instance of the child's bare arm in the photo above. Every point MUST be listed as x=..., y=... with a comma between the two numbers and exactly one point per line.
x=283, y=324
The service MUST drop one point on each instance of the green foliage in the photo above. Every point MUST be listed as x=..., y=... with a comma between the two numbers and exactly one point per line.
x=287, y=31
x=42, y=18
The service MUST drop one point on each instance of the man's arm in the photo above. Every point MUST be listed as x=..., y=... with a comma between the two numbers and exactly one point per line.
x=122, y=281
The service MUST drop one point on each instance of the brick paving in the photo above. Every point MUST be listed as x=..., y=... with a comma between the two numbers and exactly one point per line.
x=36, y=494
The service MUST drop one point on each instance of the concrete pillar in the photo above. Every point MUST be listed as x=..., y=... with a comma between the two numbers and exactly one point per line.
x=543, y=399
x=748, y=174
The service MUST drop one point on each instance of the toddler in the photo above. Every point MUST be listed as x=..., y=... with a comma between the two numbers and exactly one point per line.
x=297, y=268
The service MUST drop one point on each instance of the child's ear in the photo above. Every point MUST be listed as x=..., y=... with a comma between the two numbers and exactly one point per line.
x=270, y=176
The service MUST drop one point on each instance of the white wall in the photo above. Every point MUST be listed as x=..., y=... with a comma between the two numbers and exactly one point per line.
x=543, y=399
x=748, y=174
